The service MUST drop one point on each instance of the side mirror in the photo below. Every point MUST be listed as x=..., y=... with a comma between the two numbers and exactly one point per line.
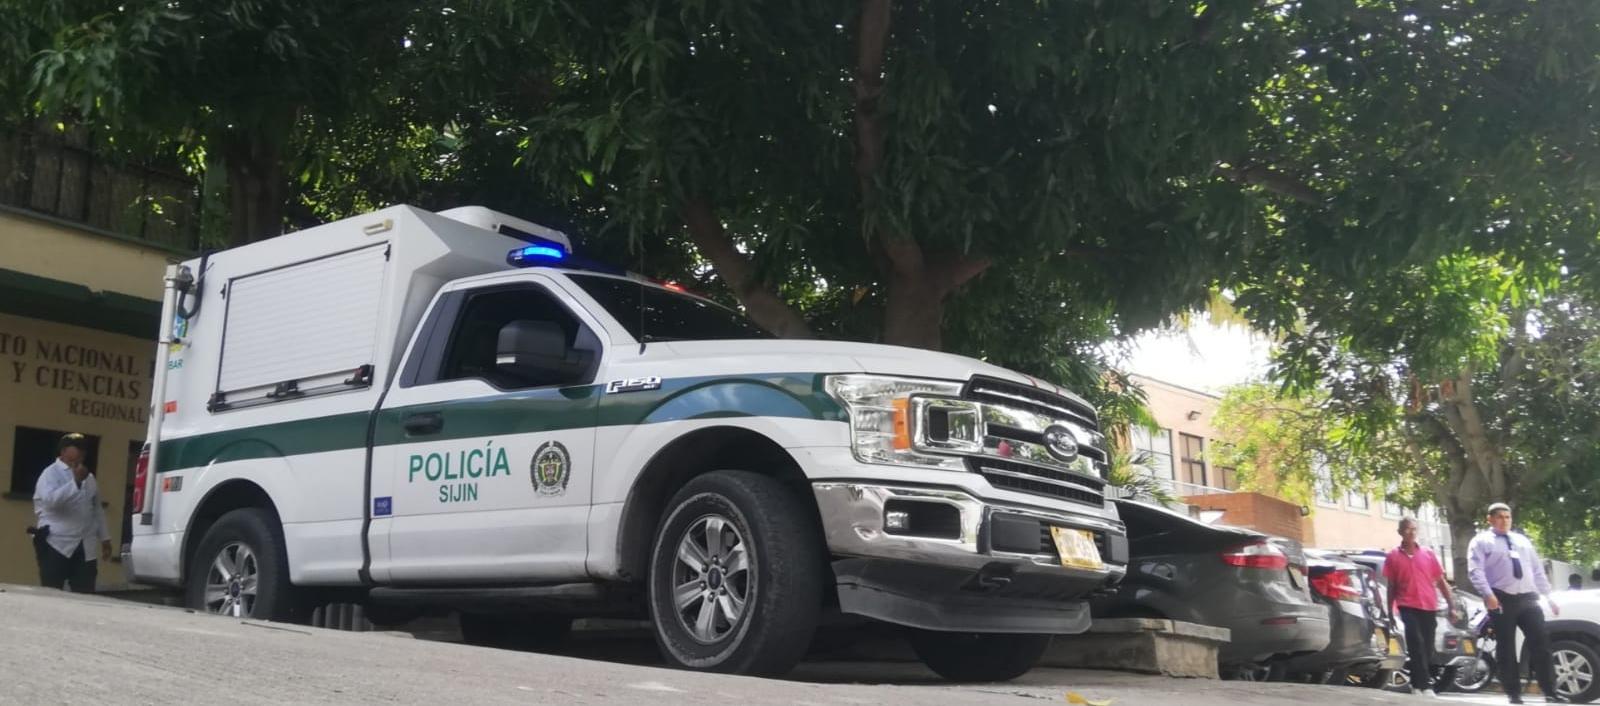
x=537, y=351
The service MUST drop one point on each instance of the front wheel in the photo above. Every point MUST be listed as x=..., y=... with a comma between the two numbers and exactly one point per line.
x=241, y=569
x=736, y=576
x=1575, y=665
x=978, y=657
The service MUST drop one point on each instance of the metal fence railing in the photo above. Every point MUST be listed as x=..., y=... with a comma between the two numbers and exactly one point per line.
x=58, y=175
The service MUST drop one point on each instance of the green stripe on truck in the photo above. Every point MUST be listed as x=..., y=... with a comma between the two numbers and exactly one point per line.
x=787, y=395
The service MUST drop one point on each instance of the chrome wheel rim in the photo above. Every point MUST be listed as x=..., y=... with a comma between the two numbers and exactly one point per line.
x=1399, y=679
x=232, y=580
x=1574, y=672
x=1477, y=677
x=711, y=579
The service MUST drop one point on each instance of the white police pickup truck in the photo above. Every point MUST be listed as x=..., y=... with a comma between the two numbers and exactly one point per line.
x=454, y=410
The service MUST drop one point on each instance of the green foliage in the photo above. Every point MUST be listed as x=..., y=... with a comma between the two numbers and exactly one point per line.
x=1522, y=426
x=1378, y=181
x=1064, y=141
x=1133, y=474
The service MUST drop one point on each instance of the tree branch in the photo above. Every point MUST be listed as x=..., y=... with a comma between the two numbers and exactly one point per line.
x=1513, y=360
x=763, y=305
x=872, y=37
x=950, y=274
x=1463, y=417
x=1271, y=180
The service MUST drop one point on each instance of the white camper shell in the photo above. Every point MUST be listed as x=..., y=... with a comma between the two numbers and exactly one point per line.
x=393, y=410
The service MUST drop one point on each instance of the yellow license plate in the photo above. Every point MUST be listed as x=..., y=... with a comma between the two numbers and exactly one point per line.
x=1394, y=646
x=1467, y=647
x=1076, y=548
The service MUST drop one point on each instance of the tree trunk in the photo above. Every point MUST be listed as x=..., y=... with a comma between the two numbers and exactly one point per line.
x=1462, y=530
x=257, y=188
x=915, y=313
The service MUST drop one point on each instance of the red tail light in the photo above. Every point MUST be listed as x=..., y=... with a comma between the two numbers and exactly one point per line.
x=1257, y=555
x=1339, y=585
x=141, y=474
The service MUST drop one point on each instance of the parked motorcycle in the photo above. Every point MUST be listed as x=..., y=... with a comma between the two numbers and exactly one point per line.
x=1481, y=673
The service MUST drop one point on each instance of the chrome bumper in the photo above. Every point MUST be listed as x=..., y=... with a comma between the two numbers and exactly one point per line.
x=853, y=520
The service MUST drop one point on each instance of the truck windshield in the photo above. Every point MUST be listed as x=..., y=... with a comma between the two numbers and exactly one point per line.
x=654, y=314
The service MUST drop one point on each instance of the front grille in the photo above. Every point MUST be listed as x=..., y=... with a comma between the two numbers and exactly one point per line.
x=1041, y=481
x=1036, y=476
x=1001, y=431
x=1033, y=399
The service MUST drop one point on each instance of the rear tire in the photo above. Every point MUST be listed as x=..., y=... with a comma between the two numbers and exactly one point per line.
x=240, y=569
x=737, y=576
x=978, y=657
x=1476, y=679
x=528, y=632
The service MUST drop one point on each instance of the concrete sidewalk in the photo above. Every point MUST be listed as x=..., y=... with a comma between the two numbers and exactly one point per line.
x=60, y=648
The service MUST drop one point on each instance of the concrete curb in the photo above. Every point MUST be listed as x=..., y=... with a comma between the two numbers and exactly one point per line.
x=1169, y=647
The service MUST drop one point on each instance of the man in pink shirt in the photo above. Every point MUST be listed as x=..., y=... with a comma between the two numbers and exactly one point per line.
x=1415, y=580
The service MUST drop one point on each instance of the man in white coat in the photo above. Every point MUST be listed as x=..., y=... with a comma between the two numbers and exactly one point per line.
x=66, y=503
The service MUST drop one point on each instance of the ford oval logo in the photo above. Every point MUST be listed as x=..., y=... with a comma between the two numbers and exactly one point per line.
x=1061, y=443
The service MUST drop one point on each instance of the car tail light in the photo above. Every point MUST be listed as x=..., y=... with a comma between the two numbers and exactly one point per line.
x=1257, y=555
x=1339, y=585
x=1452, y=642
x=141, y=473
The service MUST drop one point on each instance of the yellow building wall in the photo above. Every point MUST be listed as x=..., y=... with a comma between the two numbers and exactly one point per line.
x=43, y=248
x=63, y=377
x=41, y=387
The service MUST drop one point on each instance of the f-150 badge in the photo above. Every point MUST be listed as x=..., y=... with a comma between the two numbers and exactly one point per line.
x=634, y=385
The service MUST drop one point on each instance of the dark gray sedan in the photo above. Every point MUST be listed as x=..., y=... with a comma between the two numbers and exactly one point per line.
x=1253, y=584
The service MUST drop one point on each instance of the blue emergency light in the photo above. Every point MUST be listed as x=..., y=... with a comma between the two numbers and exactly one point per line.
x=534, y=255
x=549, y=253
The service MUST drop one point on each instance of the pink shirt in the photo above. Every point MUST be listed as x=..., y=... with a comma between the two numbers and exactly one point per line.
x=1413, y=579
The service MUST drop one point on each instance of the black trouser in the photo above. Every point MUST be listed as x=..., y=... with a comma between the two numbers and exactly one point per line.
x=57, y=571
x=1522, y=611
x=1420, y=628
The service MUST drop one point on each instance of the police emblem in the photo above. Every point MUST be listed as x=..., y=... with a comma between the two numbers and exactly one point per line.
x=552, y=468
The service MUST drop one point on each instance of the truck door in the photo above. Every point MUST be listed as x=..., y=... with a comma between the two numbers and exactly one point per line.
x=482, y=458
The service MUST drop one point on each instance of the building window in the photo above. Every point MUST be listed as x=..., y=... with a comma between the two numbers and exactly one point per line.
x=1194, y=464
x=1325, y=492
x=1229, y=480
x=1357, y=500
x=35, y=449
x=1392, y=509
x=1157, y=447
x=1226, y=477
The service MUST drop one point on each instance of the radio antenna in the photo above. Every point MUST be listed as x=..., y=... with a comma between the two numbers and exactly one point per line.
x=644, y=337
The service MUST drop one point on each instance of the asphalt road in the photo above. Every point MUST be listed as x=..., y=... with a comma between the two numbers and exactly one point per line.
x=60, y=648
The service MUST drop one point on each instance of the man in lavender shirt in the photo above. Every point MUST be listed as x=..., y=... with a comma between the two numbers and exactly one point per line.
x=1506, y=570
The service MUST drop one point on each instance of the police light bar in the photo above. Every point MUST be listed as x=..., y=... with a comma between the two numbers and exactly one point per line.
x=548, y=253
x=535, y=255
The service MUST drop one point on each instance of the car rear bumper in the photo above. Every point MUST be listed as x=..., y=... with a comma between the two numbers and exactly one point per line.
x=971, y=566
x=1354, y=642
x=1254, y=642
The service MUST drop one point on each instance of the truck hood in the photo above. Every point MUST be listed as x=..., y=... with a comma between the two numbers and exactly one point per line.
x=806, y=356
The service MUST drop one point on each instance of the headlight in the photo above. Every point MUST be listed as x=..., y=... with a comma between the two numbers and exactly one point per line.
x=907, y=421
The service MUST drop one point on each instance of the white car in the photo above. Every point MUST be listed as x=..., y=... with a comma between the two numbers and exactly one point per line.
x=1574, y=645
